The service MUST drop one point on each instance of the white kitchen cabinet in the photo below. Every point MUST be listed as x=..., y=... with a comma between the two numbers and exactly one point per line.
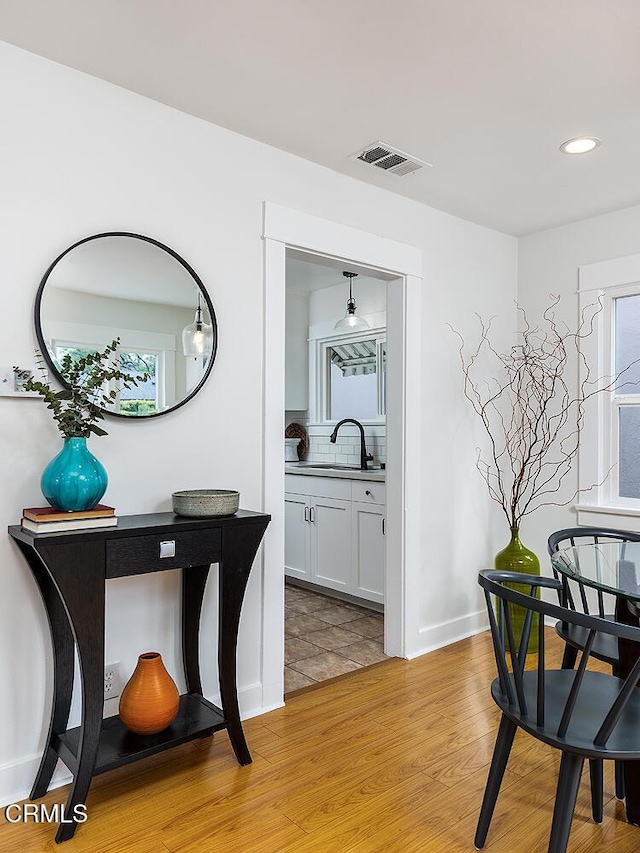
x=330, y=530
x=368, y=556
x=317, y=543
x=296, y=539
x=334, y=534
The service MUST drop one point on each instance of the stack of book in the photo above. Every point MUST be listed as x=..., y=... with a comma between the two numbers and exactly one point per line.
x=47, y=519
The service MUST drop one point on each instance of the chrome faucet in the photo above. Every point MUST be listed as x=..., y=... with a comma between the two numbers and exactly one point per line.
x=364, y=456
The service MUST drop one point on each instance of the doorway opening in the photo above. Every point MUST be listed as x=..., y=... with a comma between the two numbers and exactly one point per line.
x=399, y=265
x=335, y=468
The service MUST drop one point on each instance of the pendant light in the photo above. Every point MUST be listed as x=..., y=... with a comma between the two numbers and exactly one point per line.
x=351, y=323
x=197, y=337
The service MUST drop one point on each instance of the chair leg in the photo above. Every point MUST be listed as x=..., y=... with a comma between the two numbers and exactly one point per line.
x=596, y=771
x=569, y=657
x=619, y=767
x=566, y=795
x=501, y=751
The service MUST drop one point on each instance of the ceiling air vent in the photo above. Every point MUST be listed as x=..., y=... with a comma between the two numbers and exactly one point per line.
x=389, y=159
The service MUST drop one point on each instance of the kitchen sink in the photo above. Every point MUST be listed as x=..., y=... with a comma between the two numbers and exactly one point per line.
x=332, y=466
x=328, y=465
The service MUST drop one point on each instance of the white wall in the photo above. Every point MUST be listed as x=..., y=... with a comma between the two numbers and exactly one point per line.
x=296, y=386
x=548, y=263
x=75, y=307
x=82, y=157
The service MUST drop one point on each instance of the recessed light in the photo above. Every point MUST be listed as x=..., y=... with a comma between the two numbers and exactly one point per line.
x=580, y=145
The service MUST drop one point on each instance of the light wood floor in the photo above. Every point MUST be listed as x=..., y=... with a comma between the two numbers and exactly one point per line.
x=392, y=758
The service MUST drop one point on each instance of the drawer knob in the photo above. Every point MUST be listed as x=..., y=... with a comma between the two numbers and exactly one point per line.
x=368, y=493
x=168, y=548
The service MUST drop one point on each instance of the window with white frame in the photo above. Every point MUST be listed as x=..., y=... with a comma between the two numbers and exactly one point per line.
x=625, y=400
x=350, y=377
x=610, y=442
x=140, y=351
x=141, y=398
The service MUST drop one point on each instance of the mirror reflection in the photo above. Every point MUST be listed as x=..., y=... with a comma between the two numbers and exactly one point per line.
x=127, y=286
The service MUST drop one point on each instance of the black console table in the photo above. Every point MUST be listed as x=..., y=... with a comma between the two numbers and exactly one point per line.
x=71, y=568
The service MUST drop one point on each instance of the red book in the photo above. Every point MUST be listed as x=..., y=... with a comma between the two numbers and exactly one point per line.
x=50, y=513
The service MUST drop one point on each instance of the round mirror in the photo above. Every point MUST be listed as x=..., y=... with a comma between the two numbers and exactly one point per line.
x=120, y=285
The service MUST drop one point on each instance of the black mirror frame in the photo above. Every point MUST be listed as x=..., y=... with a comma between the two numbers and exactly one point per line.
x=45, y=352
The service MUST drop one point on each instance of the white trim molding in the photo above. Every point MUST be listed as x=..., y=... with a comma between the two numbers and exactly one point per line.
x=299, y=230
x=437, y=636
x=401, y=265
x=600, y=505
x=611, y=273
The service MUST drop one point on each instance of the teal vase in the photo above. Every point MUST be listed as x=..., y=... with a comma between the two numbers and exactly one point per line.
x=74, y=479
x=516, y=558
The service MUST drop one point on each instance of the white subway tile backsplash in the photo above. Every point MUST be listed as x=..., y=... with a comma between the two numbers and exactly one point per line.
x=346, y=450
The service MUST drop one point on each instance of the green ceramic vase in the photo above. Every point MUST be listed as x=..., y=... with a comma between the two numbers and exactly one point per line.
x=516, y=558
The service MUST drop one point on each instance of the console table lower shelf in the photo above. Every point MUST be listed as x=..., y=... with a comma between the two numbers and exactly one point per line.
x=117, y=746
x=71, y=569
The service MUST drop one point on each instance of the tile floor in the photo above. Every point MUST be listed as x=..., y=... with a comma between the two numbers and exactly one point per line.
x=326, y=637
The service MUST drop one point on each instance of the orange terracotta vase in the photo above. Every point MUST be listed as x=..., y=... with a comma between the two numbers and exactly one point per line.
x=150, y=699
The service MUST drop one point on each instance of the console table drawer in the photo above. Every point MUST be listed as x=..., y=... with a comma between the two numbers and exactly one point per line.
x=177, y=550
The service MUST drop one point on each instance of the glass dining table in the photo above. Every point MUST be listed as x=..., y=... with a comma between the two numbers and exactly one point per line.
x=611, y=568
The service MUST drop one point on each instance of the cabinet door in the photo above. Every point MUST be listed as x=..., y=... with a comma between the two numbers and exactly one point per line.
x=296, y=536
x=369, y=546
x=331, y=543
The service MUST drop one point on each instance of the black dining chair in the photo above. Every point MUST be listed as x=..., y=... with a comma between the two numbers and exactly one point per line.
x=583, y=713
x=605, y=647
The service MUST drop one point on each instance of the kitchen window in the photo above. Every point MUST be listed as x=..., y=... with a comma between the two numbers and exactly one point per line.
x=350, y=373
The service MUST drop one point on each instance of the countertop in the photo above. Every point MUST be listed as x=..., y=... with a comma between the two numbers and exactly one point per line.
x=341, y=473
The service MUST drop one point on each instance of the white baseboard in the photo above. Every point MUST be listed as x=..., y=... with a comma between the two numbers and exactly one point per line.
x=436, y=636
x=252, y=702
x=17, y=778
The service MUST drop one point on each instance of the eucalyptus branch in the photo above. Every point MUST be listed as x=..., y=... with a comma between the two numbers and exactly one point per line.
x=80, y=404
x=529, y=413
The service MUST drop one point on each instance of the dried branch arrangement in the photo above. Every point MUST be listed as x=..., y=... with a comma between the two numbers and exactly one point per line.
x=532, y=417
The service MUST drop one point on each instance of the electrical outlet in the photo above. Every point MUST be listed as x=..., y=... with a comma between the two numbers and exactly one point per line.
x=112, y=680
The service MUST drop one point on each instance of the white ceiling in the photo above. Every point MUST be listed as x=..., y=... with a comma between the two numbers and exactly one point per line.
x=306, y=273
x=307, y=277
x=485, y=90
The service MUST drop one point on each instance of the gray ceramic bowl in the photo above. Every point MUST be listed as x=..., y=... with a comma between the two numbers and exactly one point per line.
x=205, y=503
